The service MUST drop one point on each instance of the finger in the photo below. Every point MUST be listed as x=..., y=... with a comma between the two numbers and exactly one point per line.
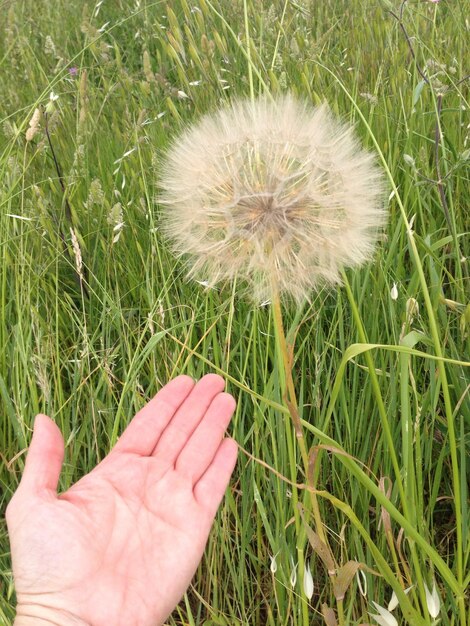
x=209, y=490
x=45, y=457
x=188, y=416
x=143, y=432
x=198, y=453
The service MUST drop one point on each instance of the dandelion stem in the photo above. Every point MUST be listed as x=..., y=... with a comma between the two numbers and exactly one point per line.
x=288, y=395
x=290, y=399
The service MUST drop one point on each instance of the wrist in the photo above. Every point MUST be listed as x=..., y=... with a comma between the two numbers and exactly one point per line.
x=56, y=620
x=40, y=615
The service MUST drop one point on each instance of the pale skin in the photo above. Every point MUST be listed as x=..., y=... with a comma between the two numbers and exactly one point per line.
x=121, y=545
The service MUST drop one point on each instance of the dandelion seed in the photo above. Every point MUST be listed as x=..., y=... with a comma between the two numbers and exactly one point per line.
x=394, y=292
x=277, y=193
x=432, y=600
x=308, y=581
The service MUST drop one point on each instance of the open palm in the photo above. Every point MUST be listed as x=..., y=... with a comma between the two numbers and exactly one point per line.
x=122, y=544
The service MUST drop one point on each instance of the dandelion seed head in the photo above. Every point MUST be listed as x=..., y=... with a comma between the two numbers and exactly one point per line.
x=277, y=193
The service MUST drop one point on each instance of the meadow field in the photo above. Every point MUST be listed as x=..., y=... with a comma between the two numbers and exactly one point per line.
x=96, y=313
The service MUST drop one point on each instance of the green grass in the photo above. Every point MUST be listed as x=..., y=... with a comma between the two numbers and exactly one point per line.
x=395, y=415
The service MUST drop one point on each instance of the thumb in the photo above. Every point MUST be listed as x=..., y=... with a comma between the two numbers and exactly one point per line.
x=45, y=456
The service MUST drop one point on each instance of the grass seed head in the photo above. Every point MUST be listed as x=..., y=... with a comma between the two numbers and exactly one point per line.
x=34, y=125
x=308, y=581
x=383, y=617
x=432, y=600
x=277, y=193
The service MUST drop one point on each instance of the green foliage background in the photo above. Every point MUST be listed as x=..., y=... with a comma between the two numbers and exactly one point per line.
x=130, y=75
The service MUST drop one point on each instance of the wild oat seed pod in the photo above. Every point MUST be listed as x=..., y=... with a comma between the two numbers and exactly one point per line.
x=274, y=192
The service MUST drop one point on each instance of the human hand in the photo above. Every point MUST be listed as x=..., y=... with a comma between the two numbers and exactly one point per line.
x=122, y=544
